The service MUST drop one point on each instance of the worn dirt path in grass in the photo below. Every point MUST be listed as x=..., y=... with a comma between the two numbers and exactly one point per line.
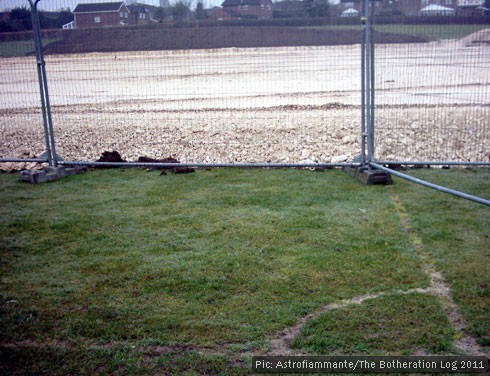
x=462, y=341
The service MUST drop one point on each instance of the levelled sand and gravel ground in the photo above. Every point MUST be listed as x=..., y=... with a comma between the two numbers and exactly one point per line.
x=278, y=104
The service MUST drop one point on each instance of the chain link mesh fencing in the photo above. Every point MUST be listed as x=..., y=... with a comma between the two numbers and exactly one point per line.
x=433, y=99
x=294, y=102
x=21, y=123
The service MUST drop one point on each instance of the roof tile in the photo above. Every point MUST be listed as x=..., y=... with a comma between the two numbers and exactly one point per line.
x=98, y=7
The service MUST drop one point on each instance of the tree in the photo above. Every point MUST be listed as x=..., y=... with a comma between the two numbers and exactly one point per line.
x=20, y=19
x=5, y=27
x=181, y=11
x=289, y=9
x=200, y=12
x=486, y=4
x=64, y=17
x=160, y=14
x=317, y=8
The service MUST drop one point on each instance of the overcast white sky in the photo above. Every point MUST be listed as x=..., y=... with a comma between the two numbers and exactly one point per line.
x=58, y=4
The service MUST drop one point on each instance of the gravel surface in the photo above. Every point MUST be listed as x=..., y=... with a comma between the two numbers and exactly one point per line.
x=283, y=104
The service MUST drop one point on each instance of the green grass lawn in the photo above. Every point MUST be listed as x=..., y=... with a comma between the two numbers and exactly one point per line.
x=22, y=48
x=431, y=31
x=455, y=234
x=127, y=271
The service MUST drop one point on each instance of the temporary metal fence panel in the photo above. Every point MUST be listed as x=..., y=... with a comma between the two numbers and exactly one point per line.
x=433, y=106
x=21, y=122
x=433, y=99
x=297, y=104
x=283, y=105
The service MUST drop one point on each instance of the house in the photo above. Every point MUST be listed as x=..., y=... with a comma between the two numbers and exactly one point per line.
x=470, y=3
x=290, y=9
x=355, y=5
x=350, y=12
x=416, y=8
x=437, y=10
x=472, y=8
x=101, y=15
x=139, y=14
x=219, y=14
x=404, y=7
x=248, y=8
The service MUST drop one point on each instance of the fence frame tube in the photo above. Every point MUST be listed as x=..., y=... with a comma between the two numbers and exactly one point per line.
x=367, y=82
x=20, y=160
x=431, y=185
x=432, y=163
x=43, y=86
x=363, y=83
x=209, y=165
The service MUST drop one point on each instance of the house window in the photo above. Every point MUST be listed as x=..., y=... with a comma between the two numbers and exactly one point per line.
x=449, y=2
x=97, y=19
x=245, y=7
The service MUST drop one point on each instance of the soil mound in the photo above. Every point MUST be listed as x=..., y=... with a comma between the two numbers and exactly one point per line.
x=147, y=39
x=480, y=37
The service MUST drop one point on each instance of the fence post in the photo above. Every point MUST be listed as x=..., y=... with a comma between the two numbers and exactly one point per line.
x=372, y=88
x=365, y=172
x=363, y=84
x=367, y=84
x=43, y=86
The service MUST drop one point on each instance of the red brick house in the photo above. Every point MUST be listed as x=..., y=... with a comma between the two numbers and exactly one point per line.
x=139, y=14
x=219, y=14
x=101, y=15
x=248, y=8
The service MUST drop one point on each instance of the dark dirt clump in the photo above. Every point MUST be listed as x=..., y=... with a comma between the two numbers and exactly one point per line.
x=111, y=156
x=175, y=170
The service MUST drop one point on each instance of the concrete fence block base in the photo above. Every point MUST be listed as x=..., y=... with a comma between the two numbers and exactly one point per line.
x=49, y=174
